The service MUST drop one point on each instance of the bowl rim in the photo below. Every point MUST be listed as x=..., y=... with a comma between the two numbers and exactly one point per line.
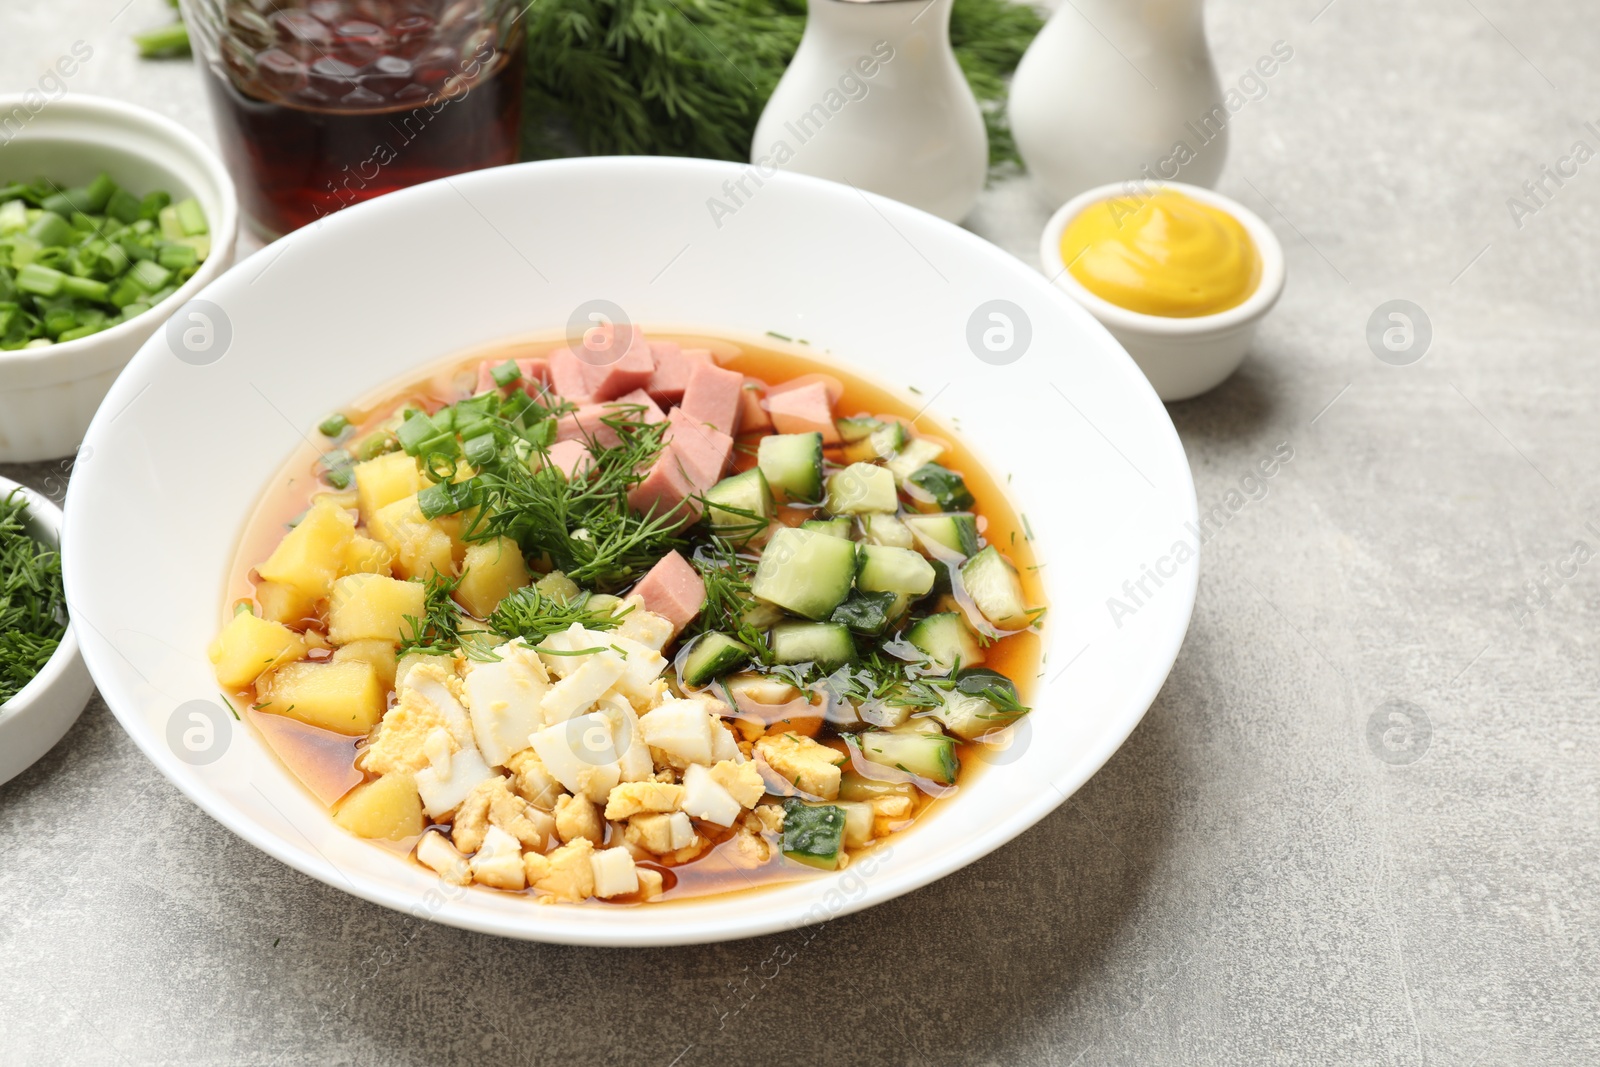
x=673, y=926
x=1257, y=304
x=123, y=115
x=44, y=512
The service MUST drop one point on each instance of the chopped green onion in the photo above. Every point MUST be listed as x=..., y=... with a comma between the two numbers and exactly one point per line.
x=100, y=191
x=481, y=450
x=176, y=257
x=191, y=218
x=123, y=206
x=77, y=332
x=41, y=281
x=149, y=275
x=446, y=498
x=74, y=261
x=333, y=425
x=506, y=373
x=336, y=468
x=51, y=230
x=416, y=429
x=86, y=289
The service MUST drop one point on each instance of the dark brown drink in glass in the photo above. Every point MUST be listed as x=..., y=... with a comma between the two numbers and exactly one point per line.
x=320, y=104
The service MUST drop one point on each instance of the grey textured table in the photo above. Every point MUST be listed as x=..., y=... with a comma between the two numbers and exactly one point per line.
x=1263, y=874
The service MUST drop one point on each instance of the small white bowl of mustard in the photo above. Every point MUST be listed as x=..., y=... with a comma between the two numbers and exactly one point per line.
x=1180, y=275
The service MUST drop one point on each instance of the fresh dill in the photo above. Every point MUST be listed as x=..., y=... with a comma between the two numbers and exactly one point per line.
x=729, y=607
x=438, y=631
x=583, y=526
x=531, y=615
x=33, y=605
x=638, y=77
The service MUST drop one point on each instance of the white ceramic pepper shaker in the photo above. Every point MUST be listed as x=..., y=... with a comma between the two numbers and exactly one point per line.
x=874, y=98
x=1113, y=90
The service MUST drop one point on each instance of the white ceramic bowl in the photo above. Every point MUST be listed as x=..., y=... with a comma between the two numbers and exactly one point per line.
x=48, y=395
x=41, y=713
x=1182, y=357
x=333, y=311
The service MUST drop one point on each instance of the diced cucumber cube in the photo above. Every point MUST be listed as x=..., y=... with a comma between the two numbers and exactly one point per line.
x=853, y=787
x=943, y=486
x=712, y=656
x=946, y=641
x=884, y=529
x=826, y=644
x=867, y=614
x=882, y=443
x=954, y=531
x=850, y=430
x=991, y=685
x=806, y=572
x=813, y=834
x=995, y=587
x=831, y=527
x=862, y=488
x=893, y=570
x=970, y=717
x=792, y=464
x=857, y=822
x=926, y=755
x=740, y=507
x=913, y=455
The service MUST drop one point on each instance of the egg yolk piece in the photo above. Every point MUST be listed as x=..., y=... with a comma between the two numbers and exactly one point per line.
x=1165, y=254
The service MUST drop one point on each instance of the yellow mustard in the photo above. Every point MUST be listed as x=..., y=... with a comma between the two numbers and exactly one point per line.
x=1163, y=254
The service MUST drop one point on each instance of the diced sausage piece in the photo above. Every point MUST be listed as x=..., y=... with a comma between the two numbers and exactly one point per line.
x=588, y=422
x=642, y=399
x=570, y=458
x=567, y=379
x=712, y=396
x=609, y=375
x=703, y=450
x=753, y=418
x=486, y=380
x=673, y=590
x=673, y=364
x=803, y=410
x=835, y=386
x=666, y=490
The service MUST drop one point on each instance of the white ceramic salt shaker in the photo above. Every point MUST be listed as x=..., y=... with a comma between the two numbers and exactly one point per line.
x=874, y=98
x=1118, y=90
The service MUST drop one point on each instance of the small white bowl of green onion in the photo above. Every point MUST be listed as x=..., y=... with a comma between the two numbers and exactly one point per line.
x=111, y=219
x=43, y=682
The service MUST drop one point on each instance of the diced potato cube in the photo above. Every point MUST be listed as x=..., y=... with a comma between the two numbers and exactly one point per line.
x=387, y=808
x=491, y=569
x=382, y=481
x=371, y=606
x=420, y=547
x=248, y=646
x=366, y=556
x=452, y=525
x=311, y=555
x=285, y=603
x=379, y=653
x=343, y=697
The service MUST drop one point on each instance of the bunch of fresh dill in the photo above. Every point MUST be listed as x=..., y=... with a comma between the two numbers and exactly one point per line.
x=690, y=77
x=32, y=602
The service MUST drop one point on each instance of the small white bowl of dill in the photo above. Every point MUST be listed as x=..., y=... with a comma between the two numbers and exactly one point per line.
x=43, y=682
